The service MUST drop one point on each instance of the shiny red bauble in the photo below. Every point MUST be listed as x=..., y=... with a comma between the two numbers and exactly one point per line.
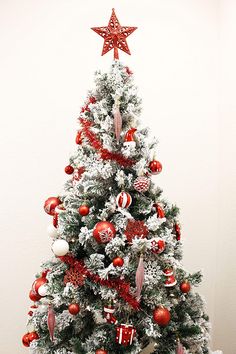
x=74, y=309
x=161, y=316
x=104, y=231
x=101, y=351
x=37, y=283
x=34, y=296
x=155, y=167
x=79, y=138
x=25, y=340
x=33, y=336
x=185, y=287
x=83, y=210
x=51, y=204
x=118, y=262
x=69, y=170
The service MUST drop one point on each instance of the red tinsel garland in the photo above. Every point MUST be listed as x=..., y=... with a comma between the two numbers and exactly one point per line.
x=96, y=144
x=121, y=286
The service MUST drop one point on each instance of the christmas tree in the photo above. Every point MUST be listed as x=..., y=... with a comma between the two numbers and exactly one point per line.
x=116, y=282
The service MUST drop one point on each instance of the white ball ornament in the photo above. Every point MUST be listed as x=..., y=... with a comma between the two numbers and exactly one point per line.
x=60, y=247
x=43, y=290
x=52, y=231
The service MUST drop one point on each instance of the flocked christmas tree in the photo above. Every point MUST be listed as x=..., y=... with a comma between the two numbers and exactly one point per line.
x=116, y=282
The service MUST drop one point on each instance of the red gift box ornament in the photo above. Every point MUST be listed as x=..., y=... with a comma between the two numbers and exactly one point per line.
x=125, y=334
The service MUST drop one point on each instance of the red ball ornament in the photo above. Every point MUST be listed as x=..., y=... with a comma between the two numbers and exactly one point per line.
x=155, y=167
x=123, y=200
x=161, y=316
x=51, y=204
x=74, y=309
x=34, y=296
x=83, y=210
x=141, y=184
x=69, y=170
x=185, y=287
x=104, y=231
x=33, y=336
x=79, y=138
x=37, y=283
x=101, y=351
x=118, y=262
x=25, y=340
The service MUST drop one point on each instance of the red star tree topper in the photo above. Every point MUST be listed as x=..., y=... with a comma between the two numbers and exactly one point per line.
x=114, y=36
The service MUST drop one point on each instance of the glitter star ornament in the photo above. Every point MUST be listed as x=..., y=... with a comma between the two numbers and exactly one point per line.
x=114, y=36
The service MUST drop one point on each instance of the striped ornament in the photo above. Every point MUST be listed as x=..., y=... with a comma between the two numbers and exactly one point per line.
x=123, y=200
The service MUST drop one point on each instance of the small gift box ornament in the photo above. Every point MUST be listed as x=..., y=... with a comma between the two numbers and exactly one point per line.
x=125, y=334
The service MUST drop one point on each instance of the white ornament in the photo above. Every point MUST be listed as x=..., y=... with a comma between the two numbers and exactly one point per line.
x=52, y=231
x=43, y=290
x=30, y=327
x=60, y=247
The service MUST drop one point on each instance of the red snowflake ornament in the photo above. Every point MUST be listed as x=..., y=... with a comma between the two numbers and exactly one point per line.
x=74, y=277
x=135, y=228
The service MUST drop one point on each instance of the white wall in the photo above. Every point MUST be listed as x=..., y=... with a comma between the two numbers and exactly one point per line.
x=47, y=58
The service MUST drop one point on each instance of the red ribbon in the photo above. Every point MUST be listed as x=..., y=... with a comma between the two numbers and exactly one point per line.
x=121, y=286
x=97, y=145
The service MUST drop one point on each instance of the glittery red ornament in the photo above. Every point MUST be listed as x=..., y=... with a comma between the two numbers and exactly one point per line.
x=69, y=170
x=118, y=262
x=155, y=167
x=74, y=309
x=33, y=336
x=51, y=204
x=142, y=184
x=79, y=138
x=104, y=231
x=161, y=316
x=34, y=296
x=101, y=351
x=185, y=287
x=25, y=340
x=83, y=210
x=135, y=228
x=74, y=277
x=114, y=36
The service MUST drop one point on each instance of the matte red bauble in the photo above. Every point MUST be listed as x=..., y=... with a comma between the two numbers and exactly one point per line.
x=51, y=204
x=104, y=231
x=118, y=262
x=155, y=167
x=74, y=309
x=101, y=351
x=185, y=287
x=161, y=316
x=37, y=283
x=83, y=210
x=69, y=170
x=34, y=296
x=25, y=340
x=33, y=336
